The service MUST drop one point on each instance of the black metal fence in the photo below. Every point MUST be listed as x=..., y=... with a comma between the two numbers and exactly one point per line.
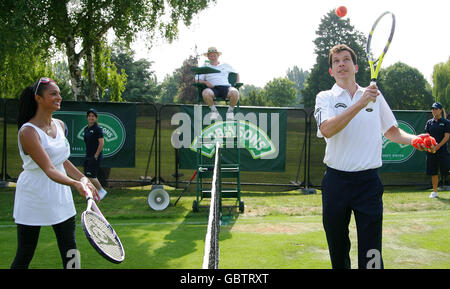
x=157, y=160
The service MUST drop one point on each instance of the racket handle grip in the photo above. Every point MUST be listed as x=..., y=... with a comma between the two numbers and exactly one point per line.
x=369, y=106
x=84, y=181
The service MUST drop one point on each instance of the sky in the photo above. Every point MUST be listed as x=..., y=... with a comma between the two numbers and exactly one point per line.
x=262, y=39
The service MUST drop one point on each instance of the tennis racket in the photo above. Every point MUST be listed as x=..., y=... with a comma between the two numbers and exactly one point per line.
x=375, y=45
x=185, y=189
x=99, y=232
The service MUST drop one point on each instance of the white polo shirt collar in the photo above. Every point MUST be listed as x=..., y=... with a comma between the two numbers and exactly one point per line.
x=336, y=90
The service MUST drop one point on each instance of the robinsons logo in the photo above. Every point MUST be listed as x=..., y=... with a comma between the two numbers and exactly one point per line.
x=251, y=137
x=398, y=153
x=113, y=132
x=249, y=130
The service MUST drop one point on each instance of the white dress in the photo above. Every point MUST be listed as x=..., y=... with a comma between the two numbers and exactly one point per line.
x=39, y=201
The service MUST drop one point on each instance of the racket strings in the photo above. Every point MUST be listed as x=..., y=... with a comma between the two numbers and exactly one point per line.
x=378, y=42
x=380, y=36
x=102, y=235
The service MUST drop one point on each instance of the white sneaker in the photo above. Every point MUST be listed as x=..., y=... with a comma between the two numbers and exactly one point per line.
x=214, y=115
x=433, y=195
x=102, y=193
x=230, y=115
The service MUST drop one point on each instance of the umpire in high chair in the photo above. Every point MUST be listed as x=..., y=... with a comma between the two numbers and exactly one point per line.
x=351, y=182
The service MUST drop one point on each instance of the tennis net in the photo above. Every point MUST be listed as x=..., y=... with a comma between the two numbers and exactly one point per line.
x=211, y=255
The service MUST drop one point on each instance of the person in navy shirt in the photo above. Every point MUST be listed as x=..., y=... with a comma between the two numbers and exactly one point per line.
x=439, y=128
x=93, y=138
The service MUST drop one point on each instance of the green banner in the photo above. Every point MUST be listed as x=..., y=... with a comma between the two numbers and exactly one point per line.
x=404, y=158
x=250, y=137
x=261, y=135
x=118, y=122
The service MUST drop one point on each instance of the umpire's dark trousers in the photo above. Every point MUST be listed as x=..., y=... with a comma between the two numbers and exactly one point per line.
x=360, y=192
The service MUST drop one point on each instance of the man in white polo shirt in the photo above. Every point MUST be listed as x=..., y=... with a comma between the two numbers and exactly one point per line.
x=353, y=138
x=218, y=85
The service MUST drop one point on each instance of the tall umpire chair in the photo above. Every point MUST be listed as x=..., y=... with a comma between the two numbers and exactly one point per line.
x=226, y=170
x=232, y=79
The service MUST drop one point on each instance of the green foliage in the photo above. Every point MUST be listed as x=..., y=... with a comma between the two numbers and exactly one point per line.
x=280, y=92
x=252, y=97
x=441, y=83
x=404, y=87
x=20, y=69
x=298, y=76
x=106, y=74
x=77, y=26
x=141, y=83
x=249, y=95
x=187, y=93
x=332, y=31
x=62, y=78
x=117, y=84
x=169, y=89
x=23, y=54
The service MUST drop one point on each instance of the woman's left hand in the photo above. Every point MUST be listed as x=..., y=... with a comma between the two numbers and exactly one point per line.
x=94, y=192
x=85, y=181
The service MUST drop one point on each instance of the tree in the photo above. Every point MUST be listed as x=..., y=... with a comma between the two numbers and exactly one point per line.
x=20, y=69
x=253, y=97
x=78, y=25
x=187, y=92
x=441, y=83
x=280, y=92
x=404, y=87
x=142, y=84
x=61, y=76
x=107, y=78
x=22, y=59
x=169, y=89
x=298, y=76
x=332, y=31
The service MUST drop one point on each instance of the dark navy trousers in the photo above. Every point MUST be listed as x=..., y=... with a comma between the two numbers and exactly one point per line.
x=361, y=193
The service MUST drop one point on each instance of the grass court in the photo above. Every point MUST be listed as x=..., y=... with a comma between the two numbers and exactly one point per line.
x=277, y=231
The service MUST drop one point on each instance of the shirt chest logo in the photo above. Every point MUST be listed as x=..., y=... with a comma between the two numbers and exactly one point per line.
x=340, y=104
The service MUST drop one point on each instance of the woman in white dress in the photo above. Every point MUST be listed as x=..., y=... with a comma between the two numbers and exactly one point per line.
x=43, y=194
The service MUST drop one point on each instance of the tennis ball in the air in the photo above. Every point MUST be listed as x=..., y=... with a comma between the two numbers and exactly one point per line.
x=341, y=11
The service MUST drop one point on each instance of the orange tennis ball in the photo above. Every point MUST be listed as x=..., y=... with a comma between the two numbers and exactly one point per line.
x=416, y=142
x=429, y=142
x=341, y=11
